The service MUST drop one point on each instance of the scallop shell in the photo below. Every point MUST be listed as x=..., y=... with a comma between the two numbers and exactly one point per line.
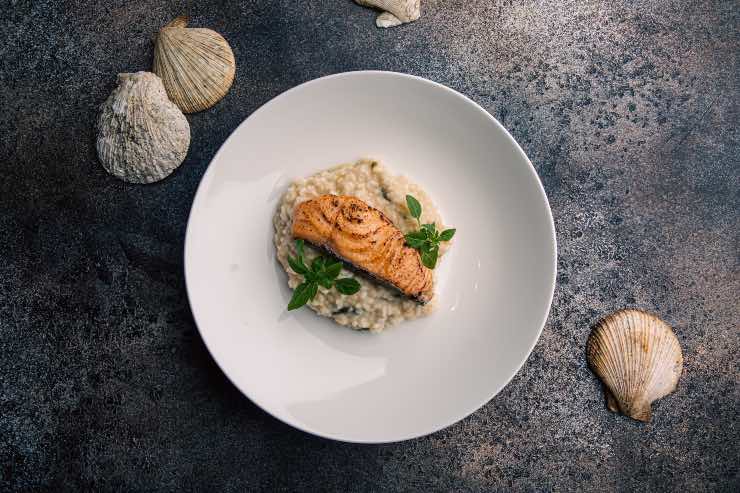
x=142, y=135
x=196, y=65
x=386, y=19
x=637, y=357
x=395, y=12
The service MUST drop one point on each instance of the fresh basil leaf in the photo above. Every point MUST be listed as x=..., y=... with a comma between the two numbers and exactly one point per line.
x=430, y=229
x=312, y=290
x=311, y=276
x=447, y=234
x=299, y=249
x=413, y=240
x=429, y=258
x=347, y=285
x=416, y=244
x=297, y=266
x=333, y=270
x=414, y=206
x=318, y=264
x=427, y=246
x=326, y=282
x=302, y=294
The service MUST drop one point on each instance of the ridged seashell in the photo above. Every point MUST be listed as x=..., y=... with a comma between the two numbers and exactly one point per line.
x=196, y=65
x=637, y=357
x=395, y=12
x=142, y=135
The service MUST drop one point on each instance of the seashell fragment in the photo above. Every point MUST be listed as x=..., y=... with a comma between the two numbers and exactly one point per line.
x=637, y=357
x=395, y=12
x=386, y=19
x=142, y=135
x=196, y=65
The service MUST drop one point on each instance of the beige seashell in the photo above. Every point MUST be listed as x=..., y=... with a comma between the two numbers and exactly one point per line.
x=142, y=135
x=637, y=357
x=395, y=12
x=196, y=65
x=386, y=19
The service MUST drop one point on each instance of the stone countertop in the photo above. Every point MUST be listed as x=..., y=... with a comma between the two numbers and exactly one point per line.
x=629, y=112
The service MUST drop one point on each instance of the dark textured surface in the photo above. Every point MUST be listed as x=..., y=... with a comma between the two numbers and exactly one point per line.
x=627, y=109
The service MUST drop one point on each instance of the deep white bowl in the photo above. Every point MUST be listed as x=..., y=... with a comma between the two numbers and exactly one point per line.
x=494, y=288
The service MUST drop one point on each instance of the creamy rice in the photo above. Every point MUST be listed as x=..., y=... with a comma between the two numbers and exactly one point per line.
x=375, y=306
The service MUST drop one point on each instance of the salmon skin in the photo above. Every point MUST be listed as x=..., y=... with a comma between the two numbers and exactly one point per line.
x=363, y=236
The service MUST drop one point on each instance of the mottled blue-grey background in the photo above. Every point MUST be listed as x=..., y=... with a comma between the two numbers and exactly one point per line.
x=629, y=112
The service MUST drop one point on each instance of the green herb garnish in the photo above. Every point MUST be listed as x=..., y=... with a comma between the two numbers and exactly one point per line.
x=426, y=240
x=323, y=272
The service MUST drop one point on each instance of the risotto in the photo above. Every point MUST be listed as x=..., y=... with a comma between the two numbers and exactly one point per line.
x=375, y=306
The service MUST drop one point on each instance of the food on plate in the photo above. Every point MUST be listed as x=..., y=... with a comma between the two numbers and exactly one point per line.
x=376, y=306
x=638, y=358
x=363, y=236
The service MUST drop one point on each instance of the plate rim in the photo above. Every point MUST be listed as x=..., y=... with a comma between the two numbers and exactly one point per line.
x=199, y=193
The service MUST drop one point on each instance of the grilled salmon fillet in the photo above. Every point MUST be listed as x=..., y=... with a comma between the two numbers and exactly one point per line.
x=363, y=236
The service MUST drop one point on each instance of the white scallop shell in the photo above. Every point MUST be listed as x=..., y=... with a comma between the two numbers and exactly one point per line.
x=395, y=12
x=142, y=135
x=637, y=357
x=196, y=65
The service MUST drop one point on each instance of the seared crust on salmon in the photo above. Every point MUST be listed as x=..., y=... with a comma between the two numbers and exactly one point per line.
x=363, y=236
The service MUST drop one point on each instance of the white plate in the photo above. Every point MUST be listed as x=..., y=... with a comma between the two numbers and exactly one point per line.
x=494, y=287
